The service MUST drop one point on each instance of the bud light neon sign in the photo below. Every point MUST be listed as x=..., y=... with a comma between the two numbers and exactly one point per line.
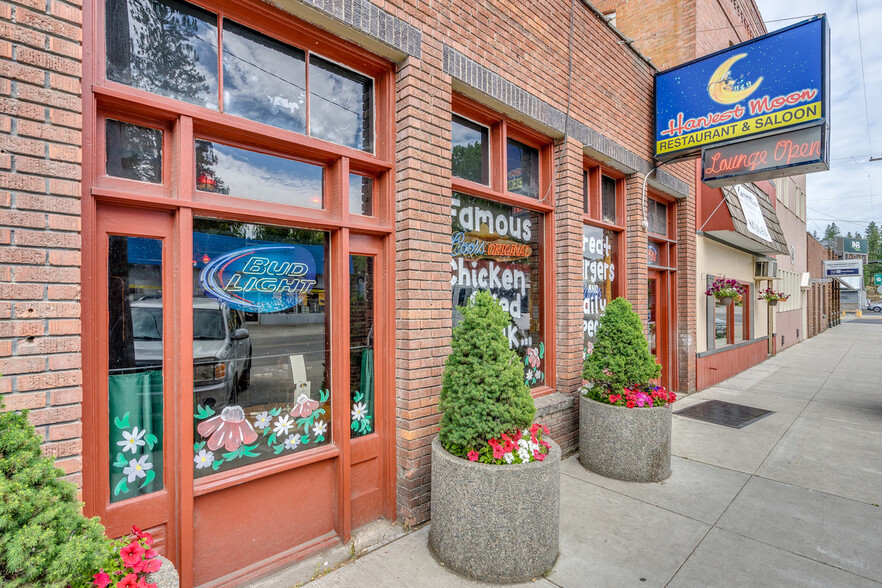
x=260, y=279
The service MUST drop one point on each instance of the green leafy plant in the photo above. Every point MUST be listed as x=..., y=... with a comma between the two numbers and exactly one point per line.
x=621, y=357
x=44, y=540
x=483, y=393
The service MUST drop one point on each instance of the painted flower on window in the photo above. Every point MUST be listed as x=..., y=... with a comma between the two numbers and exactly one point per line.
x=533, y=357
x=204, y=459
x=132, y=440
x=137, y=468
x=292, y=441
x=283, y=425
x=319, y=430
x=304, y=407
x=228, y=430
x=359, y=410
x=262, y=420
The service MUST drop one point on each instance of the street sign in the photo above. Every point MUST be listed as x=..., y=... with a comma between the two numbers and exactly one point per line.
x=843, y=267
x=877, y=279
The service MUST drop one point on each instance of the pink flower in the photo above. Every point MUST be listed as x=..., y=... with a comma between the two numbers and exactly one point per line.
x=498, y=452
x=130, y=581
x=533, y=357
x=473, y=455
x=538, y=456
x=131, y=553
x=614, y=398
x=229, y=429
x=304, y=407
x=101, y=579
x=152, y=566
x=544, y=429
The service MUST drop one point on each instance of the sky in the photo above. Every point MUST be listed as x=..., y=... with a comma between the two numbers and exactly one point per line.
x=850, y=193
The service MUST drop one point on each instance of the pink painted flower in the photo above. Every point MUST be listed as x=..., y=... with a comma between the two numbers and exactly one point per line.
x=304, y=407
x=533, y=357
x=229, y=429
x=473, y=455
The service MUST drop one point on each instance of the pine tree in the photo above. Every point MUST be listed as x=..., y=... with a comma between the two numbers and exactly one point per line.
x=621, y=354
x=44, y=540
x=874, y=243
x=483, y=393
x=830, y=235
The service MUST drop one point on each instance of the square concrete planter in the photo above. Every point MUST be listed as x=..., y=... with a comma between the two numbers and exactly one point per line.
x=495, y=523
x=631, y=444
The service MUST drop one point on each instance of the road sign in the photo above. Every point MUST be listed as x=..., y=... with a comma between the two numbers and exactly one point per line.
x=877, y=279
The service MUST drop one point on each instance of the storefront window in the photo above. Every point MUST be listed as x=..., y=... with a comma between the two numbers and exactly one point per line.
x=260, y=343
x=134, y=306
x=658, y=217
x=522, y=169
x=599, y=274
x=732, y=321
x=471, y=151
x=164, y=47
x=361, y=347
x=133, y=152
x=222, y=169
x=341, y=105
x=497, y=247
x=264, y=80
x=608, y=199
x=361, y=195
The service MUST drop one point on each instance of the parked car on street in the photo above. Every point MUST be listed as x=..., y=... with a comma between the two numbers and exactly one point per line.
x=221, y=347
x=874, y=306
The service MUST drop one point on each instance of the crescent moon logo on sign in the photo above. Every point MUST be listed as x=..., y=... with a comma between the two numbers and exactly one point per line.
x=725, y=89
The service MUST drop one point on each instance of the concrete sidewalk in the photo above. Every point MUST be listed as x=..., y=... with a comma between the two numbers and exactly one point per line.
x=790, y=500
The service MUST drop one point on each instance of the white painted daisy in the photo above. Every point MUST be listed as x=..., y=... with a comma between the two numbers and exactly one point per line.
x=137, y=469
x=262, y=420
x=132, y=441
x=292, y=441
x=359, y=411
x=319, y=428
x=283, y=425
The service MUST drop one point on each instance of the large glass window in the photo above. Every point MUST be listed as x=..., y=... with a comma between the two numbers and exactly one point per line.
x=341, y=105
x=134, y=306
x=133, y=152
x=165, y=47
x=471, y=151
x=228, y=170
x=497, y=247
x=264, y=80
x=261, y=349
x=599, y=274
x=732, y=320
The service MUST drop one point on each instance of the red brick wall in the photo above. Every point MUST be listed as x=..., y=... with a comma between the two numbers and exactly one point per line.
x=40, y=156
x=820, y=296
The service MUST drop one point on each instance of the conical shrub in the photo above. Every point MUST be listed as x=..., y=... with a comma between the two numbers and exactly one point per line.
x=483, y=393
x=621, y=356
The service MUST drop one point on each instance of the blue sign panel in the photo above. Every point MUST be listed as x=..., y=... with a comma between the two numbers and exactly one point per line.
x=260, y=279
x=770, y=83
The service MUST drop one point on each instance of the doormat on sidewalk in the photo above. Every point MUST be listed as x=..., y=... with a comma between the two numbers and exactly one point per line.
x=727, y=414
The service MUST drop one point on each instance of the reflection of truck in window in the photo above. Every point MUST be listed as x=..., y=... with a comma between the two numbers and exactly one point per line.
x=221, y=347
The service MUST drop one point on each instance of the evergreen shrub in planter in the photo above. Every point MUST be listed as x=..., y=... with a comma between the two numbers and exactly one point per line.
x=624, y=420
x=495, y=480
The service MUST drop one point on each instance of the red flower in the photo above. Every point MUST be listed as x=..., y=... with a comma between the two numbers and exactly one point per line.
x=534, y=428
x=630, y=404
x=517, y=436
x=101, y=579
x=229, y=429
x=152, y=566
x=614, y=398
x=137, y=531
x=150, y=554
x=544, y=429
x=538, y=456
x=131, y=553
x=498, y=452
x=130, y=581
x=304, y=407
x=473, y=455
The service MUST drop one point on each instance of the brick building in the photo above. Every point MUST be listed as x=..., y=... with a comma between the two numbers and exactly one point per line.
x=823, y=297
x=425, y=150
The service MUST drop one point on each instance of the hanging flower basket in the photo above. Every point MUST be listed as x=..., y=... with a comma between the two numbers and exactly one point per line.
x=772, y=297
x=725, y=291
x=725, y=300
x=772, y=302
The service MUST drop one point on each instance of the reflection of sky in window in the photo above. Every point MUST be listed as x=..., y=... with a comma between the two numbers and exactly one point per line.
x=526, y=159
x=166, y=27
x=339, y=102
x=360, y=195
x=264, y=177
x=264, y=80
x=464, y=136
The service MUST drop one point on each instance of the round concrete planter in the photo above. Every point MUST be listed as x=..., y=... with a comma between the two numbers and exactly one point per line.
x=495, y=523
x=631, y=444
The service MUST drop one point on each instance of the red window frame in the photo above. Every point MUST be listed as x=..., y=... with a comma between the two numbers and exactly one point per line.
x=501, y=129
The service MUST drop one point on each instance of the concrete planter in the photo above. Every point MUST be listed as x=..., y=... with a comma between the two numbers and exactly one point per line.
x=631, y=444
x=495, y=523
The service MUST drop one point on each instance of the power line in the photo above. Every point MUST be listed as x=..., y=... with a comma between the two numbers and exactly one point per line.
x=866, y=101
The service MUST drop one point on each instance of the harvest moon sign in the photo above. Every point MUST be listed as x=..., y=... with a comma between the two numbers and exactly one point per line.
x=770, y=84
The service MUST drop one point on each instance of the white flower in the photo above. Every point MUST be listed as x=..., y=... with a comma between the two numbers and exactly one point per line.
x=292, y=441
x=263, y=420
x=523, y=443
x=524, y=455
x=283, y=425
x=132, y=440
x=359, y=411
x=137, y=469
x=319, y=428
x=204, y=459
x=508, y=457
x=531, y=447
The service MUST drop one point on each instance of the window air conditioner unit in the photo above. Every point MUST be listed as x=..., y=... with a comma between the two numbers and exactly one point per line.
x=765, y=269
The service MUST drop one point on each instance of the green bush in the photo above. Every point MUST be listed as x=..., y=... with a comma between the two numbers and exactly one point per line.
x=44, y=540
x=621, y=356
x=483, y=393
